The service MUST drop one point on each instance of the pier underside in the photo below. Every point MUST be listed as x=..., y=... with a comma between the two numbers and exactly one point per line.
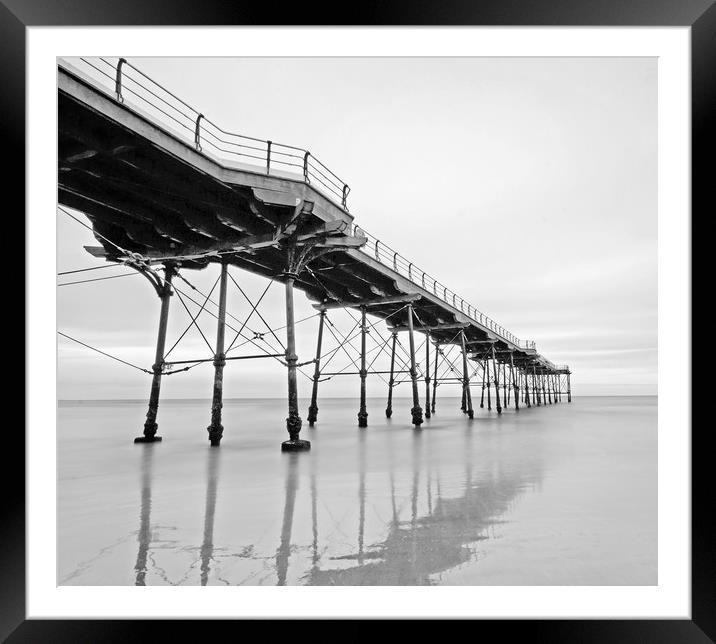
x=155, y=201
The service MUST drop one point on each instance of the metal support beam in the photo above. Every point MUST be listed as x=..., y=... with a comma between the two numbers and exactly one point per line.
x=435, y=377
x=466, y=378
x=416, y=411
x=569, y=389
x=427, y=375
x=313, y=408
x=216, y=429
x=514, y=383
x=397, y=299
x=293, y=422
x=150, y=424
x=391, y=381
x=362, y=412
x=504, y=385
x=482, y=395
x=535, y=386
x=495, y=369
x=527, y=388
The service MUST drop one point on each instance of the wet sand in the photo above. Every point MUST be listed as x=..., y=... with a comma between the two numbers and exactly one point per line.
x=558, y=495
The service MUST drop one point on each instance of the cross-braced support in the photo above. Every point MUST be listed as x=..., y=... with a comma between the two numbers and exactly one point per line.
x=427, y=375
x=216, y=429
x=313, y=407
x=164, y=291
x=391, y=381
x=362, y=412
x=497, y=381
x=466, y=378
x=417, y=411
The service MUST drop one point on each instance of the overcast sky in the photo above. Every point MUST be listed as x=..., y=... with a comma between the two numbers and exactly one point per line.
x=527, y=185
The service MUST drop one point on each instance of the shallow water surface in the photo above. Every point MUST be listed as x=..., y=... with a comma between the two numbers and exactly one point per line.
x=563, y=494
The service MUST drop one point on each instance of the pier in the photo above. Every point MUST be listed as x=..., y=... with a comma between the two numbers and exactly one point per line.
x=169, y=192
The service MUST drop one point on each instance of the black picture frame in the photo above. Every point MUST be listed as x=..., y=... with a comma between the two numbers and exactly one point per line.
x=700, y=15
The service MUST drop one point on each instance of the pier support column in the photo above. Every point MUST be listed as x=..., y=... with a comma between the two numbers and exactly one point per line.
x=435, y=377
x=466, y=379
x=504, y=385
x=535, y=387
x=391, y=381
x=150, y=424
x=416, y=411
x=569, y=389
x=544, y=389
x=216, y=429
x=527, y=388
x=548, y=378
x=362, y=412
x=293, y=422
x=489, y=399
x=313, y=408
x=514, y=383
x=427, y=375
x=496, y=371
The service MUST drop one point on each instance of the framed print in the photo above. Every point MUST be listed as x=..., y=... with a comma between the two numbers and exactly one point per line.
x=403, y=324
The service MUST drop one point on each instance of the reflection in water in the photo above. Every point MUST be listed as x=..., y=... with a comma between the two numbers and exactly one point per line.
x=422, y=546
x=412, y=551
x=144, y=535
x=284, y=550
x=207, y=544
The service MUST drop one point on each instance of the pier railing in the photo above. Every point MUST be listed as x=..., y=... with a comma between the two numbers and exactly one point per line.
x=384, y=254
x=121, y=79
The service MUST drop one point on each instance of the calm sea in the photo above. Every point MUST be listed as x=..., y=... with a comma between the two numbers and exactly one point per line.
x=564, y=494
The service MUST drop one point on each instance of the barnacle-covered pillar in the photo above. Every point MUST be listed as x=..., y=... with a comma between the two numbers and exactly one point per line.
x=164, y=290
x=216, y=429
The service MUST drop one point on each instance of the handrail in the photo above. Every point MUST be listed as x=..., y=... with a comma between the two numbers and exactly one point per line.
x=129, y=84
x=269, y=153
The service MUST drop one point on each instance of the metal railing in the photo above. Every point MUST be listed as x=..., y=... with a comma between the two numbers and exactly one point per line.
x=386, y=255
x=127, y=83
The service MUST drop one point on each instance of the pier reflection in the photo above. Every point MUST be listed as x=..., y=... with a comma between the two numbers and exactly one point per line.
x=425, y=543
x=395, y=514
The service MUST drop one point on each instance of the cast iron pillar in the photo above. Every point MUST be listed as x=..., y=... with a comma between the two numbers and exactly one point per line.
x=150, y=424
x=489, y=397
x=504, y=385
x=543, y=379
x=514, y=382
x=391, y=381
x=569, y=389
x=313, y=407
x=525, y=375
x=535, y=386
x=466, y=378
x=482, y=395
x=416, y=411
x=362, y=412
x=435, y=378
x=495, y=369
x=427, y=375
x=216, y=429
x=293, y=422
